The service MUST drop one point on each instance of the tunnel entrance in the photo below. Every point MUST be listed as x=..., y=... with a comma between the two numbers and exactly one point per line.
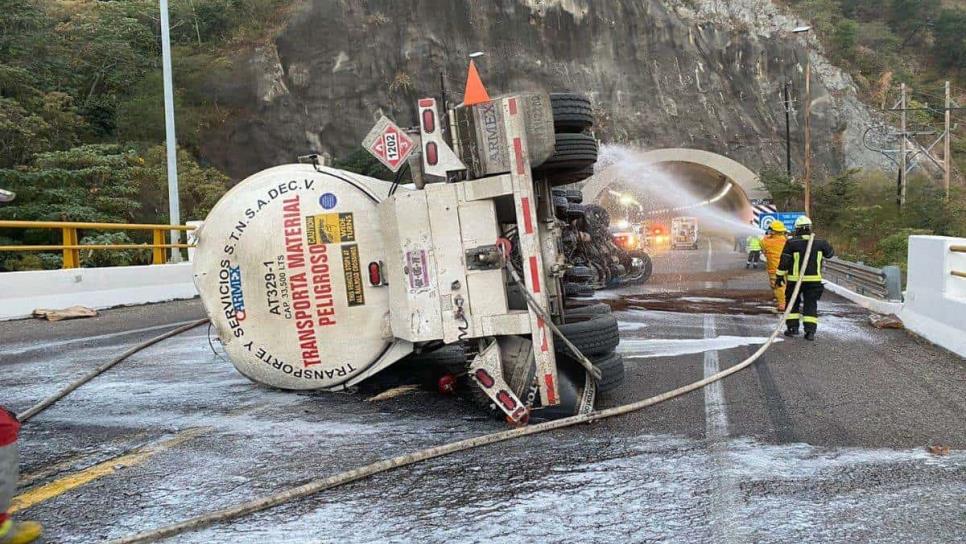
x=674, y=181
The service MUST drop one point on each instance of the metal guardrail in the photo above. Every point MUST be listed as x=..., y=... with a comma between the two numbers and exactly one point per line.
x=882, y=283
x=958, y=249
x=71, y=248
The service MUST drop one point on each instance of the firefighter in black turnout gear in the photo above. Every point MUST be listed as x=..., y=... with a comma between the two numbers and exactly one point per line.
x=791, y=268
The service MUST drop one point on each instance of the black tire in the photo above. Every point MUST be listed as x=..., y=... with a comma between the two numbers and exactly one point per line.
x=574, y=211
x=598, y=308
x=597, y=217
x=584, y=290
x=611, y=371
x=571, y=152
x=565, y=177
x=560, y=205
x=571, y=289
x=591, y=334
x=572, y=112
x=572, y=195
x=449, y=358
x=581, y=273
x=639, y=275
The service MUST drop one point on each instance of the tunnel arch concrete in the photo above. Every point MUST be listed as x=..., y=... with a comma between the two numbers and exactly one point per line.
x=715, y=167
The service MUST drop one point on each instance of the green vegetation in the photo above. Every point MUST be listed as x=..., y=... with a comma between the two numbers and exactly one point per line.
x=882, y=43
x=81, y=110
x=858, y=213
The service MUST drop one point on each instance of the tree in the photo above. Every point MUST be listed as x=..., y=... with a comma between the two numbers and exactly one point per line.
x=87, y=183
x=908, y=16
x=845, y=37
x=835, y=200
x=950, y=38
x=785, y=191
x=200, y=187
x=362, y=162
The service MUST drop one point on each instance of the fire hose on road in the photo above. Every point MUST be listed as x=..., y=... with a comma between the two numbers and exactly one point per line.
x=378, y=467
x=70, y=388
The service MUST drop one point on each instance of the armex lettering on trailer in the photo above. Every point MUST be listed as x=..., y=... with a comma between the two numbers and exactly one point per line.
x=491, y=130
x=228, y=277
x=237, y=297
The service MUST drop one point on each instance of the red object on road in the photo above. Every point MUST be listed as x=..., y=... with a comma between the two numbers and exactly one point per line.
x=9, y=427
x=447, y=384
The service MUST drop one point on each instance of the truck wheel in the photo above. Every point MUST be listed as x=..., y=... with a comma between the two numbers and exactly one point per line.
x=574, y=211
x=647, y=268
x=584, y=290
x=571, y=289
x=565, y=177
x=580, y=273
x=449, y=358
x=572, y=195
x=611, y=371
x=611, y=368
x=571, y=152
x=591, y=334
x=560, y=204
x=590, y=309
x=572, y=112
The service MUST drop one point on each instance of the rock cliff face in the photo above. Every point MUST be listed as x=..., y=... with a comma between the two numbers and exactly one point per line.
x=673, y=73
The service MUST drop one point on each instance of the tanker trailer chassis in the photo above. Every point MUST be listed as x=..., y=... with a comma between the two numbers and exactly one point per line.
x=316, y=278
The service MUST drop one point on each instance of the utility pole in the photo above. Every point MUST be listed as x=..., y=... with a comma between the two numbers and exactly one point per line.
x=807, y=174
x=174, y=204
x=947, y=150
x=788, y=134
x=902, y=146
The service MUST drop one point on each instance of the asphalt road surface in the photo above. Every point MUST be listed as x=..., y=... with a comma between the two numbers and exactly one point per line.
x=817, y=442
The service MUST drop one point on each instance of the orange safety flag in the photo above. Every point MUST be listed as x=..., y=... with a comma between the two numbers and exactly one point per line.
x=475, y=91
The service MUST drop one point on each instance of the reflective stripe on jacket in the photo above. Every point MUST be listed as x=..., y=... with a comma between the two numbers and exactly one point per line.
x=791, y=265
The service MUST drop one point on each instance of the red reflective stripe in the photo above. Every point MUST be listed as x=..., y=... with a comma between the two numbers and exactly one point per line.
x=518, y=154
x=544, y=343
x=426, y=102
x=527, y=220
x=534, y=277
x=9, y=427
x=513, y=106
x=548, y=379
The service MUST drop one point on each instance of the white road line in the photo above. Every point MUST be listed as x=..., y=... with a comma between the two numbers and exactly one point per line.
x=724, y=493
x=715, y=412
x=715, y=416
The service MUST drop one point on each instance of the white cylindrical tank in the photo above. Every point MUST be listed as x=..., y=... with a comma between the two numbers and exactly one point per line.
x=282, y=268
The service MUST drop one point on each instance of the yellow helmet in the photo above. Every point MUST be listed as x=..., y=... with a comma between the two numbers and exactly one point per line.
x=803, y=221
x=777, y=226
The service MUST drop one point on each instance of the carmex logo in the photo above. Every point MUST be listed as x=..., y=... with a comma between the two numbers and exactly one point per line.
x=237, y=297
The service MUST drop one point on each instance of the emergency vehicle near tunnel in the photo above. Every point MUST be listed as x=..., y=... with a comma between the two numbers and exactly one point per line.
x=318, y=278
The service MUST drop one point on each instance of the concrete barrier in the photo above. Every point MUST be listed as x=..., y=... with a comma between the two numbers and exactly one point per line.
x=876, y=305
x=935, y=304
x=23, y=292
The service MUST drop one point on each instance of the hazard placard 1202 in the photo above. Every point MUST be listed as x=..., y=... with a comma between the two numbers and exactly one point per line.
x=388, y=143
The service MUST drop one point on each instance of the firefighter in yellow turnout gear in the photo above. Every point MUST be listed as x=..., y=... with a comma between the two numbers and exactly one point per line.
x=772, y=245
x=792, y=267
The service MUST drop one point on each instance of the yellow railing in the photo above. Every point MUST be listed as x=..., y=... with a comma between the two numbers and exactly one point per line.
x=72, y=248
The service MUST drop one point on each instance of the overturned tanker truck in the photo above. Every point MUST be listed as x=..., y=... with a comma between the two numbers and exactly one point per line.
x=318, y=278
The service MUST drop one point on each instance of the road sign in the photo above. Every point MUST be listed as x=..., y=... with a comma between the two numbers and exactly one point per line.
x=388, y=143
x=788, y=218
x=762, y=207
